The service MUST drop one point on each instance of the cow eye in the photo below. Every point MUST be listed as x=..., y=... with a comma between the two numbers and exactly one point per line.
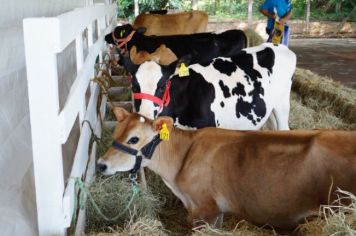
x=133, y=140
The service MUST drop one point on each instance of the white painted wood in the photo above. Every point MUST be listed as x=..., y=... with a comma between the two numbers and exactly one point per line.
x=101, y=27
x=71, y=108
x=79, y=51
x=103, y=106
x=41, y=68
x=81, y=155
x=82, y=109
x=72, y=28
x=136, y=7
x=44, y=38
x=90, y=34
x=80, y=227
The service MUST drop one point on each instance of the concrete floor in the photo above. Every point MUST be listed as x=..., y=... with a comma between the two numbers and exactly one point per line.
x=330, y=57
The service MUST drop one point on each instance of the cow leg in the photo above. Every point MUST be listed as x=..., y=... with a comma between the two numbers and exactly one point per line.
x=281, y=114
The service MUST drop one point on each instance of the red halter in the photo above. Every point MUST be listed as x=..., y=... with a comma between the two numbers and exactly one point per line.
x=161, y=102
x=122, y=42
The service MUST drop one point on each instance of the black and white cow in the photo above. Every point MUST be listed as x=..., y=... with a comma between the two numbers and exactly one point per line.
x=202, y=46
x=238, y=93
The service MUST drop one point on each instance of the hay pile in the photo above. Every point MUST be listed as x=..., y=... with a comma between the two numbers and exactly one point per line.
x=323, y=94
x=334, y=220
x=316, y=102
x=142, y=226
x=253, y=38
x=305, y=117
x=113, y=195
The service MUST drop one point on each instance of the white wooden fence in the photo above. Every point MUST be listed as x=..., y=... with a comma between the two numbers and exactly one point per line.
x=50, y=126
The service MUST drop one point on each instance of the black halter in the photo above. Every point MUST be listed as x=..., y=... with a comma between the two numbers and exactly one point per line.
x=146, y=151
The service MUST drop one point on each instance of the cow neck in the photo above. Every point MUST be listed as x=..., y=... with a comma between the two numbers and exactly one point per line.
x=169, y=156
x=166, y=98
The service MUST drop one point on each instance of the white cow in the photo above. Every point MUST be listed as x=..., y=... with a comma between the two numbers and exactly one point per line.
x=237, y=93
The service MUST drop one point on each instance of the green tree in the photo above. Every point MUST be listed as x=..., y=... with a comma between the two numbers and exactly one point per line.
x=126, y=7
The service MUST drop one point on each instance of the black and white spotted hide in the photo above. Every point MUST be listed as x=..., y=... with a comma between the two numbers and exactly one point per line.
x=237, y=93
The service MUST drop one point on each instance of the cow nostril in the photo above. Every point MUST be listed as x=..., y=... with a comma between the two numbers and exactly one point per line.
x=102, y=167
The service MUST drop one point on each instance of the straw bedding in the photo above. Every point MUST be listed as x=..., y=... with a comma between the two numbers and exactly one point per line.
x=316, y=103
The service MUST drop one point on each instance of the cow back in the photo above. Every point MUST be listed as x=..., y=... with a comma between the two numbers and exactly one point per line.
x=172, y=24
x=202, y=47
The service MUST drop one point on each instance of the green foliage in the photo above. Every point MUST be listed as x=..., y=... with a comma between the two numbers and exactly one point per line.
x=320, y=9
x=323, y=9
x=223, y=8
x=126, y=7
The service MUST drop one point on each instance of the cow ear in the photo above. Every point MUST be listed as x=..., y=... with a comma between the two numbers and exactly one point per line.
x=184, y=59
x=109, y=39
x=120, y=113
x=157, y=123
x=141, y=30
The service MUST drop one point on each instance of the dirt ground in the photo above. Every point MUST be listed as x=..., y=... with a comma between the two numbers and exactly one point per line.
x=329, y=57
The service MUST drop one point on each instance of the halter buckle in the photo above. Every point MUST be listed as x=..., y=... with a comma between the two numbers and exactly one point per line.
x=133, y=178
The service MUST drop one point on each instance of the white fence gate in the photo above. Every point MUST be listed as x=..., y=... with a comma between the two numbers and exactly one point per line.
x=50, y=125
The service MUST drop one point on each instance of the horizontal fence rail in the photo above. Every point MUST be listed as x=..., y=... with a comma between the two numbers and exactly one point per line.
x=50, y=127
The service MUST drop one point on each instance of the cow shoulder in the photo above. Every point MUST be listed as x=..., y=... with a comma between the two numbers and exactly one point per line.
x=193, y=95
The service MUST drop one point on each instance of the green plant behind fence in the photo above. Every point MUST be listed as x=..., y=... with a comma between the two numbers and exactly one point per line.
x=320, y=9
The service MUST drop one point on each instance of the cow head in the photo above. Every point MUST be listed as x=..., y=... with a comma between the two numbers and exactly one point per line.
x=134, y=132
x=122, y=32
x=149, y=86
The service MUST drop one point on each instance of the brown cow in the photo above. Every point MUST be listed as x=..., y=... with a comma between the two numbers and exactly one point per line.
x=265, y=177
x=162, y=55
x=170, y=24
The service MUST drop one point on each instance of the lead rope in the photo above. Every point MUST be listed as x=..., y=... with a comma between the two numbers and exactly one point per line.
x=94, y=137
x=84, y=194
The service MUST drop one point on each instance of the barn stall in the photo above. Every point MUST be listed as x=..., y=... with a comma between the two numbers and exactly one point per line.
x=317, y=102
x=62, y=135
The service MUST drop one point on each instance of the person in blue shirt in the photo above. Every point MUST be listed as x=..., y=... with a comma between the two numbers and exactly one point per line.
x=274, y=8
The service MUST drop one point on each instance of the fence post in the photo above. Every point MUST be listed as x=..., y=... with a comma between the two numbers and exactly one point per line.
x=50, y=126
x=42, y=79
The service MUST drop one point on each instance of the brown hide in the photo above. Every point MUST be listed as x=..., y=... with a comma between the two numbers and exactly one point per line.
x=265, y=177
x=162, y=55
x=170, y=24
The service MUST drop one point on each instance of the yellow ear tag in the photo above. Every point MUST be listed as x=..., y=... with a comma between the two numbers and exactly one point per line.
x=277, y=33
x=183, y=70
x=164, y=132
